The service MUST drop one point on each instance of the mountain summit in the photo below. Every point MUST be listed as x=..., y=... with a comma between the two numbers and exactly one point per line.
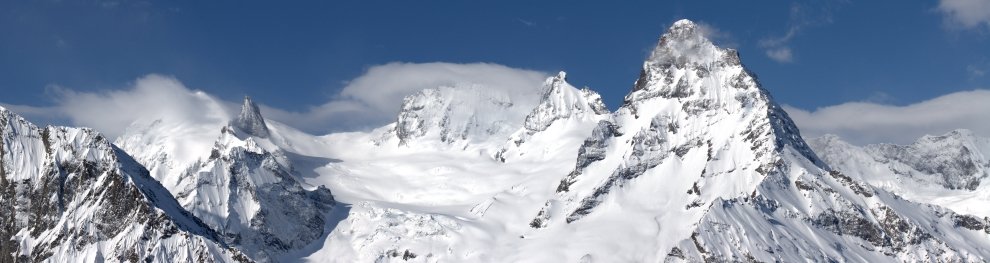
x=685, y=43
x=250, y=120
x=703, y=165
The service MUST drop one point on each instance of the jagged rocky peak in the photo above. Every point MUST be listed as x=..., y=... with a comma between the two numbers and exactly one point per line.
x=562, y=100
x=702, y=81
x=682, y=60
x=695, y=112
x=250, y=120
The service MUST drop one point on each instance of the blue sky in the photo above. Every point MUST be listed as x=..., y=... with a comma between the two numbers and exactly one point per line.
x=296, y=56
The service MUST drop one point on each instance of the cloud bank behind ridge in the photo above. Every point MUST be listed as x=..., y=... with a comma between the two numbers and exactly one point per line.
x=867, y=122
x=368, y=101
x=373, y=99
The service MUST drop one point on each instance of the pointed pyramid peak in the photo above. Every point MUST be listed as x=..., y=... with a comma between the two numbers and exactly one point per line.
x=250, y=119
x=249, y=109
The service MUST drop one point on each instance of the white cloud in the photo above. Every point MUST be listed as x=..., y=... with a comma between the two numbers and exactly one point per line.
x=976, y=71
x=865, y=122
x=368, y=101
x=373, y=99
x=150, y=98
x=720, y=37
x=780, y=54
x=966, y=13
x=802, y=16
x=781, y=40
x=776, y=47
x=525, y=22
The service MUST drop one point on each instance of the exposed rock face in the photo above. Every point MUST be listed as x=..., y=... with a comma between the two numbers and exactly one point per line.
x=250, y=120
x=69, y=195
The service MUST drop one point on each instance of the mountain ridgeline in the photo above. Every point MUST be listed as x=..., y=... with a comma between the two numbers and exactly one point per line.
x=698, y=164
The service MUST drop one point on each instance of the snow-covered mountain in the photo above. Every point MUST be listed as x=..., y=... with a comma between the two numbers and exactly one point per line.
x=67, y=194
x=698, y=164
x=244, y=188
x=950, y=170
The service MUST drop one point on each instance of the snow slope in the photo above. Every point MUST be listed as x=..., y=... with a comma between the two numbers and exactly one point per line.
x=245, y=187
x=424, y=199
x=950, y=170
x=69, y=195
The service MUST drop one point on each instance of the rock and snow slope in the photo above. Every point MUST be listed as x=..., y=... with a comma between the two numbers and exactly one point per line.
x=950, y=170
x=245, y=188
x=67, y=194
x=563, y=110
x=698, y=164
x=701, y=164
x=423, y=199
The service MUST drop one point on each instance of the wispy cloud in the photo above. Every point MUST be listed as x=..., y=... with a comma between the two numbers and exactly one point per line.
x=525, y=22
x=780, y=54
x=153, y=97
x=965, y=14
x=800, y=17
x=60, y=43
x=721, y=37
x=976, y=71
x=870, y=122
x=782, y=40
